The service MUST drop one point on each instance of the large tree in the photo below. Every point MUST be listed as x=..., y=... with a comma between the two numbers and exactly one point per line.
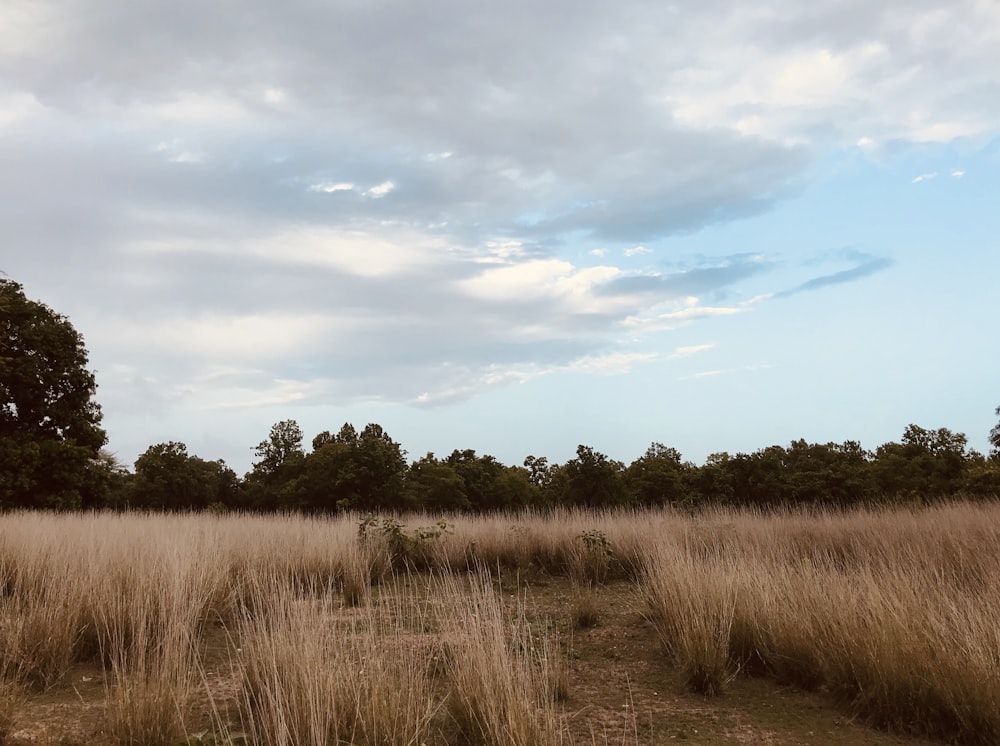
x=50, y=433
x=167, y=478
x=594, y=480
x=351, y=471
x=657, y=478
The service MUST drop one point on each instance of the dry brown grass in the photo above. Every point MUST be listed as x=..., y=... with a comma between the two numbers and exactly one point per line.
x=891, y=611
x=10, y=697
x=692, y=603
x=310, y=677
x=503, y=676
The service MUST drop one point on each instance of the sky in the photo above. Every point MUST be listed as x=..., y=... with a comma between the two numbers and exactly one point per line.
x=514, y=227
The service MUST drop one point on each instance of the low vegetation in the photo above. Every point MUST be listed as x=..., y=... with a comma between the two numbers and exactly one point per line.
x=383, y=629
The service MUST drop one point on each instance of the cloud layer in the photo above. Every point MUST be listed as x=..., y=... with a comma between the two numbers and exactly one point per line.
x=256, y=203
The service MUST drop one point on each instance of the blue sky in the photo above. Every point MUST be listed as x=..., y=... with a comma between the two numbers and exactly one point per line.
x=512, y=227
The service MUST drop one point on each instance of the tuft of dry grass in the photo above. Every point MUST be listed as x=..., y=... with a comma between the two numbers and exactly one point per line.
x=691, y=604
x=504, y=677
x=584, y=612
x=312, y=678
x=10, y=697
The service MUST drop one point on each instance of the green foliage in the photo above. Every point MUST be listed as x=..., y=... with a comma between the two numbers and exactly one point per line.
x=596, y=542
x=412, y=550
x=167, y=478
x=549, y=481
x=927, y=463
x=349, y=471
x=995, y=439
x=282, y=449
x=432, y=484
x=658, y=477
x=593, y=563
x=50, y=432
x=594, y=480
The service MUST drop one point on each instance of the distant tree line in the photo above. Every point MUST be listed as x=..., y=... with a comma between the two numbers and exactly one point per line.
x=367, y=471
x=51, y=456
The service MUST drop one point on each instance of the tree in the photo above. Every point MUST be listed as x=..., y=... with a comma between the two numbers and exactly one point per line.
x=548, y=481
x=594, y=480
x=50, y=434
x=711, y=483
x=995, y=439
x=382, y=468
x=281, y=458
x=657, y=478
x=114, y=483
x=283, y=445
x=927, y=463
x=489, y=485
x=434, y=485
x=348, y=471
x=167, y=478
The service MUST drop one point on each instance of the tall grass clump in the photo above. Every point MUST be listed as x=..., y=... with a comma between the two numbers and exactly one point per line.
x=42, y=611
x=148, y=631
x=504, y=678
x=691, y=604
x=312, y=676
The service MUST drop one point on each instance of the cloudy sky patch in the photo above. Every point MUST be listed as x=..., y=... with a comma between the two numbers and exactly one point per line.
x=427, y=214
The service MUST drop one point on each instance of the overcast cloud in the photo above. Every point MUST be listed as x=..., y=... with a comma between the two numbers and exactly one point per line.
x=247, y=204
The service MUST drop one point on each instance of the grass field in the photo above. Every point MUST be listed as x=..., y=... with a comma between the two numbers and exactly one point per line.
x=868, y=627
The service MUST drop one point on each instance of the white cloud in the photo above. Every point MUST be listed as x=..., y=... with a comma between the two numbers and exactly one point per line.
x=388, y=252
x=545, y=278
x=924, y=177
x=612, y=364
x=808, y=75
x=724, y=371
x=463, y=382
x=275, y=96
x=688, y=310
x=175, y=152
x=683, y=352
x=184, y=108
x=186, y=156
x=380, y=190
x=19, y=107
x=472, y=383
x=501, y=251
x=224, y=336
x=26, y=27
x=598, y=252
x=361, y=253
x=957, y=173
x=637, y=250
x=275, y=393
x=330, y=187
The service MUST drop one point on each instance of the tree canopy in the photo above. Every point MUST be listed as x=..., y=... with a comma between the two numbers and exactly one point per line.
x=50, y=433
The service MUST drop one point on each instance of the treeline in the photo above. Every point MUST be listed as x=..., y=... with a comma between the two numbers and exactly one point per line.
x=367, y=471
